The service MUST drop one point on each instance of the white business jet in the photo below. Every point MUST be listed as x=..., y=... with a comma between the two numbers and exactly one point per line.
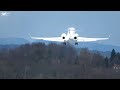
x=70, y=36
x=4, y=13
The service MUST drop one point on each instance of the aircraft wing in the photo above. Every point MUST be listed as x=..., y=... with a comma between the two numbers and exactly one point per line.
x=57, y=39
x=84, y=39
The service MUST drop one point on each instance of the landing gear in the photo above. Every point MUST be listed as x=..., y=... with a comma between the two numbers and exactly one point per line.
x=76, y=43
x=64, y=43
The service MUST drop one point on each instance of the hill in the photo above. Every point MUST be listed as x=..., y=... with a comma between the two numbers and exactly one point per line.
x=13, y=40
x=91, y=46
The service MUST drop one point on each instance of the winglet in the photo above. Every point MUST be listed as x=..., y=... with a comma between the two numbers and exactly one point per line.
x=109, y=36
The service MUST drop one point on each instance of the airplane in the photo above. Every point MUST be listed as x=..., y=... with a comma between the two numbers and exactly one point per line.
x=4, y=14
x=70, y=36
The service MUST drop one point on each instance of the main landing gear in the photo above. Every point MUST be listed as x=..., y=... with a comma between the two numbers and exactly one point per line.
x=64, y=43
x=76, y=43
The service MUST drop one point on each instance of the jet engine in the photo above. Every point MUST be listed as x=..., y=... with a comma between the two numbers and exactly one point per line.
x=63, y=36
x=75, y=36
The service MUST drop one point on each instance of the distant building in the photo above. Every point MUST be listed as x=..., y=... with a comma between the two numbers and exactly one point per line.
x=116, y=67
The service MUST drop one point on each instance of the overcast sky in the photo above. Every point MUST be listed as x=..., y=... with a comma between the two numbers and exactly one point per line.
x=54, y=23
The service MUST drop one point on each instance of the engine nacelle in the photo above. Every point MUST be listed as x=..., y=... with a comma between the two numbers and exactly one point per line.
x=63, y=36
x=75, y=36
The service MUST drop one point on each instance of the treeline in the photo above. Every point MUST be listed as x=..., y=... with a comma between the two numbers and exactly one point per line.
x=40, y=61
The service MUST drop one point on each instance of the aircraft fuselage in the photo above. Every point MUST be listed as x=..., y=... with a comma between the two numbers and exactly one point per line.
x=70, y=37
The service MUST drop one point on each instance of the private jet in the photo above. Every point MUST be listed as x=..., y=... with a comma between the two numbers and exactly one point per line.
x=71, y=36
x=5, y=14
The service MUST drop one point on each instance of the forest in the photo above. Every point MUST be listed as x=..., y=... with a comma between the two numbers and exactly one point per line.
x=57, y=61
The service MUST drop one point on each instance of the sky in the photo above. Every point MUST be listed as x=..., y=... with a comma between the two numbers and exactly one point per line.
x=97, y=24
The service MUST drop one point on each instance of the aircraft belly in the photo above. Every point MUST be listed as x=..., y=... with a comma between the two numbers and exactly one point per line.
x=71, y=41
